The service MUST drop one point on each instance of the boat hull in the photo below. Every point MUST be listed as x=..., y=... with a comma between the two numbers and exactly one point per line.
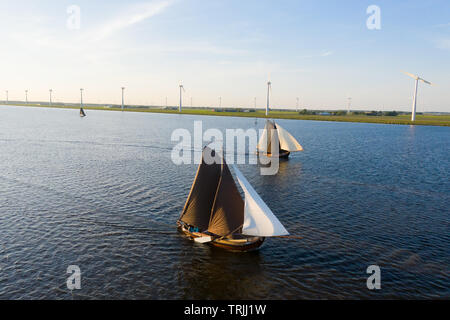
x=246, y=243
x=283, y=154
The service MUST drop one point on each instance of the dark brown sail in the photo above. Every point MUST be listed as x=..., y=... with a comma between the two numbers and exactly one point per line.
x=227, y=215
x=197, y=210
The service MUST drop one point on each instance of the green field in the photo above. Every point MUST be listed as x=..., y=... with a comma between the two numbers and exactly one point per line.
x=427, y=119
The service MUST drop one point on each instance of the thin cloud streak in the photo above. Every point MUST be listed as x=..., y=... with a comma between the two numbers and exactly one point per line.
x=137, y=14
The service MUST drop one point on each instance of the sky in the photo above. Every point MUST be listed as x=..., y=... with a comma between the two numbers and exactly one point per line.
x=319, y=51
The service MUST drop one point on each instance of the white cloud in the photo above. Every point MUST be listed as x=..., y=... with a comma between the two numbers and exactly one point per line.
x=318, y=55
x=135, y=15
x=326, y=53
x=443, y=43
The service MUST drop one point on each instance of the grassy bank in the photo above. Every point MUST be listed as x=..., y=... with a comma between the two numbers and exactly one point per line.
x=431, y=120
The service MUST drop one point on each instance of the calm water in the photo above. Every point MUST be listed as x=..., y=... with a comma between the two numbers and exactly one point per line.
x=102, y=193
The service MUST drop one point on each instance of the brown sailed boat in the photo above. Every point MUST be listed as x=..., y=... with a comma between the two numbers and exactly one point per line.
x=215, y=212
x=277, y=138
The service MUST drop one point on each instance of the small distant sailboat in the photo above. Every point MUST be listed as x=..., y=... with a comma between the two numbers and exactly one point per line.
x=215, y=212
x=82, y=113
x=274, y=133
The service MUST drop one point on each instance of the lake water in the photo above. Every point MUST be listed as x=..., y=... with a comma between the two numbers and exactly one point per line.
x=102, y=193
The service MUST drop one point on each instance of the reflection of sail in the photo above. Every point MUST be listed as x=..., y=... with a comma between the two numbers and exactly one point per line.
x=259, y=220
x=287, y=141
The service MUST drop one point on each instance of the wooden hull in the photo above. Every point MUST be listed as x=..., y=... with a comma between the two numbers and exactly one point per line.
x=282, y=155
x=247, y=243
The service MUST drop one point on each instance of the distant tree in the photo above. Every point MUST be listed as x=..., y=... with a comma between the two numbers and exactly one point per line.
x=304, y=111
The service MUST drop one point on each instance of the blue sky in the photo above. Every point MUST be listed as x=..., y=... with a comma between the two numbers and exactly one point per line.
x=319, y=51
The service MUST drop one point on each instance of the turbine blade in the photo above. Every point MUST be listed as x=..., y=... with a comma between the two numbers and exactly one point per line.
x=411, y=75
x=423, y=80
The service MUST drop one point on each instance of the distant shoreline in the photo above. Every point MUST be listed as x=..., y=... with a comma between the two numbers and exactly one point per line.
x=427, y=120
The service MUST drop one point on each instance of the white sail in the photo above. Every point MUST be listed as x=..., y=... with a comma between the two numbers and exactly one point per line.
x=287, y=141
x=259, y=220
x=262, y=143
x=269, y=139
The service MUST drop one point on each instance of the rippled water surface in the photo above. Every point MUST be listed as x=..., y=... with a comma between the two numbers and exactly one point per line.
x=102, y=193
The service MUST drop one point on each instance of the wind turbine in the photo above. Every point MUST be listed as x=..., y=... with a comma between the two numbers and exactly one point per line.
x=181, y=97
x=81, y=98
x=269, y=89
x=255, y=103
x=123, y=88
x=50, y=91
x=297, y=103
x=26, y=96
x=220, y=102
x=7, y=98
x=417, y=78
x=348, y=105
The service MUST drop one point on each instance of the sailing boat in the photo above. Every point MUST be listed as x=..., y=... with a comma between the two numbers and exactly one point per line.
x=215, y=212
x=274, y=133
x=82, y=113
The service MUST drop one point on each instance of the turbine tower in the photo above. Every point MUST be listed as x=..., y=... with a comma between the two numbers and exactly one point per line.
x=254, y=104
x=123, y=88
x=50, y=91
x=26, y=96
x=269, y=89
x=220, y=102
x=417, y=78
x=181, y=97
x=348, y=105
x=7, y=98
x=297, y=103
x=81, y=98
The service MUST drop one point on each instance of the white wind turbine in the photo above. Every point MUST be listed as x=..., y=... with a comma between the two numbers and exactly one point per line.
x=417, y=78
x=181, y=97
x=269, y=90
x=123, y=89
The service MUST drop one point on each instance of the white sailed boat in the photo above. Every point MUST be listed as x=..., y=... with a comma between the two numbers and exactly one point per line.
x=274, y=134
x=215, y=212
